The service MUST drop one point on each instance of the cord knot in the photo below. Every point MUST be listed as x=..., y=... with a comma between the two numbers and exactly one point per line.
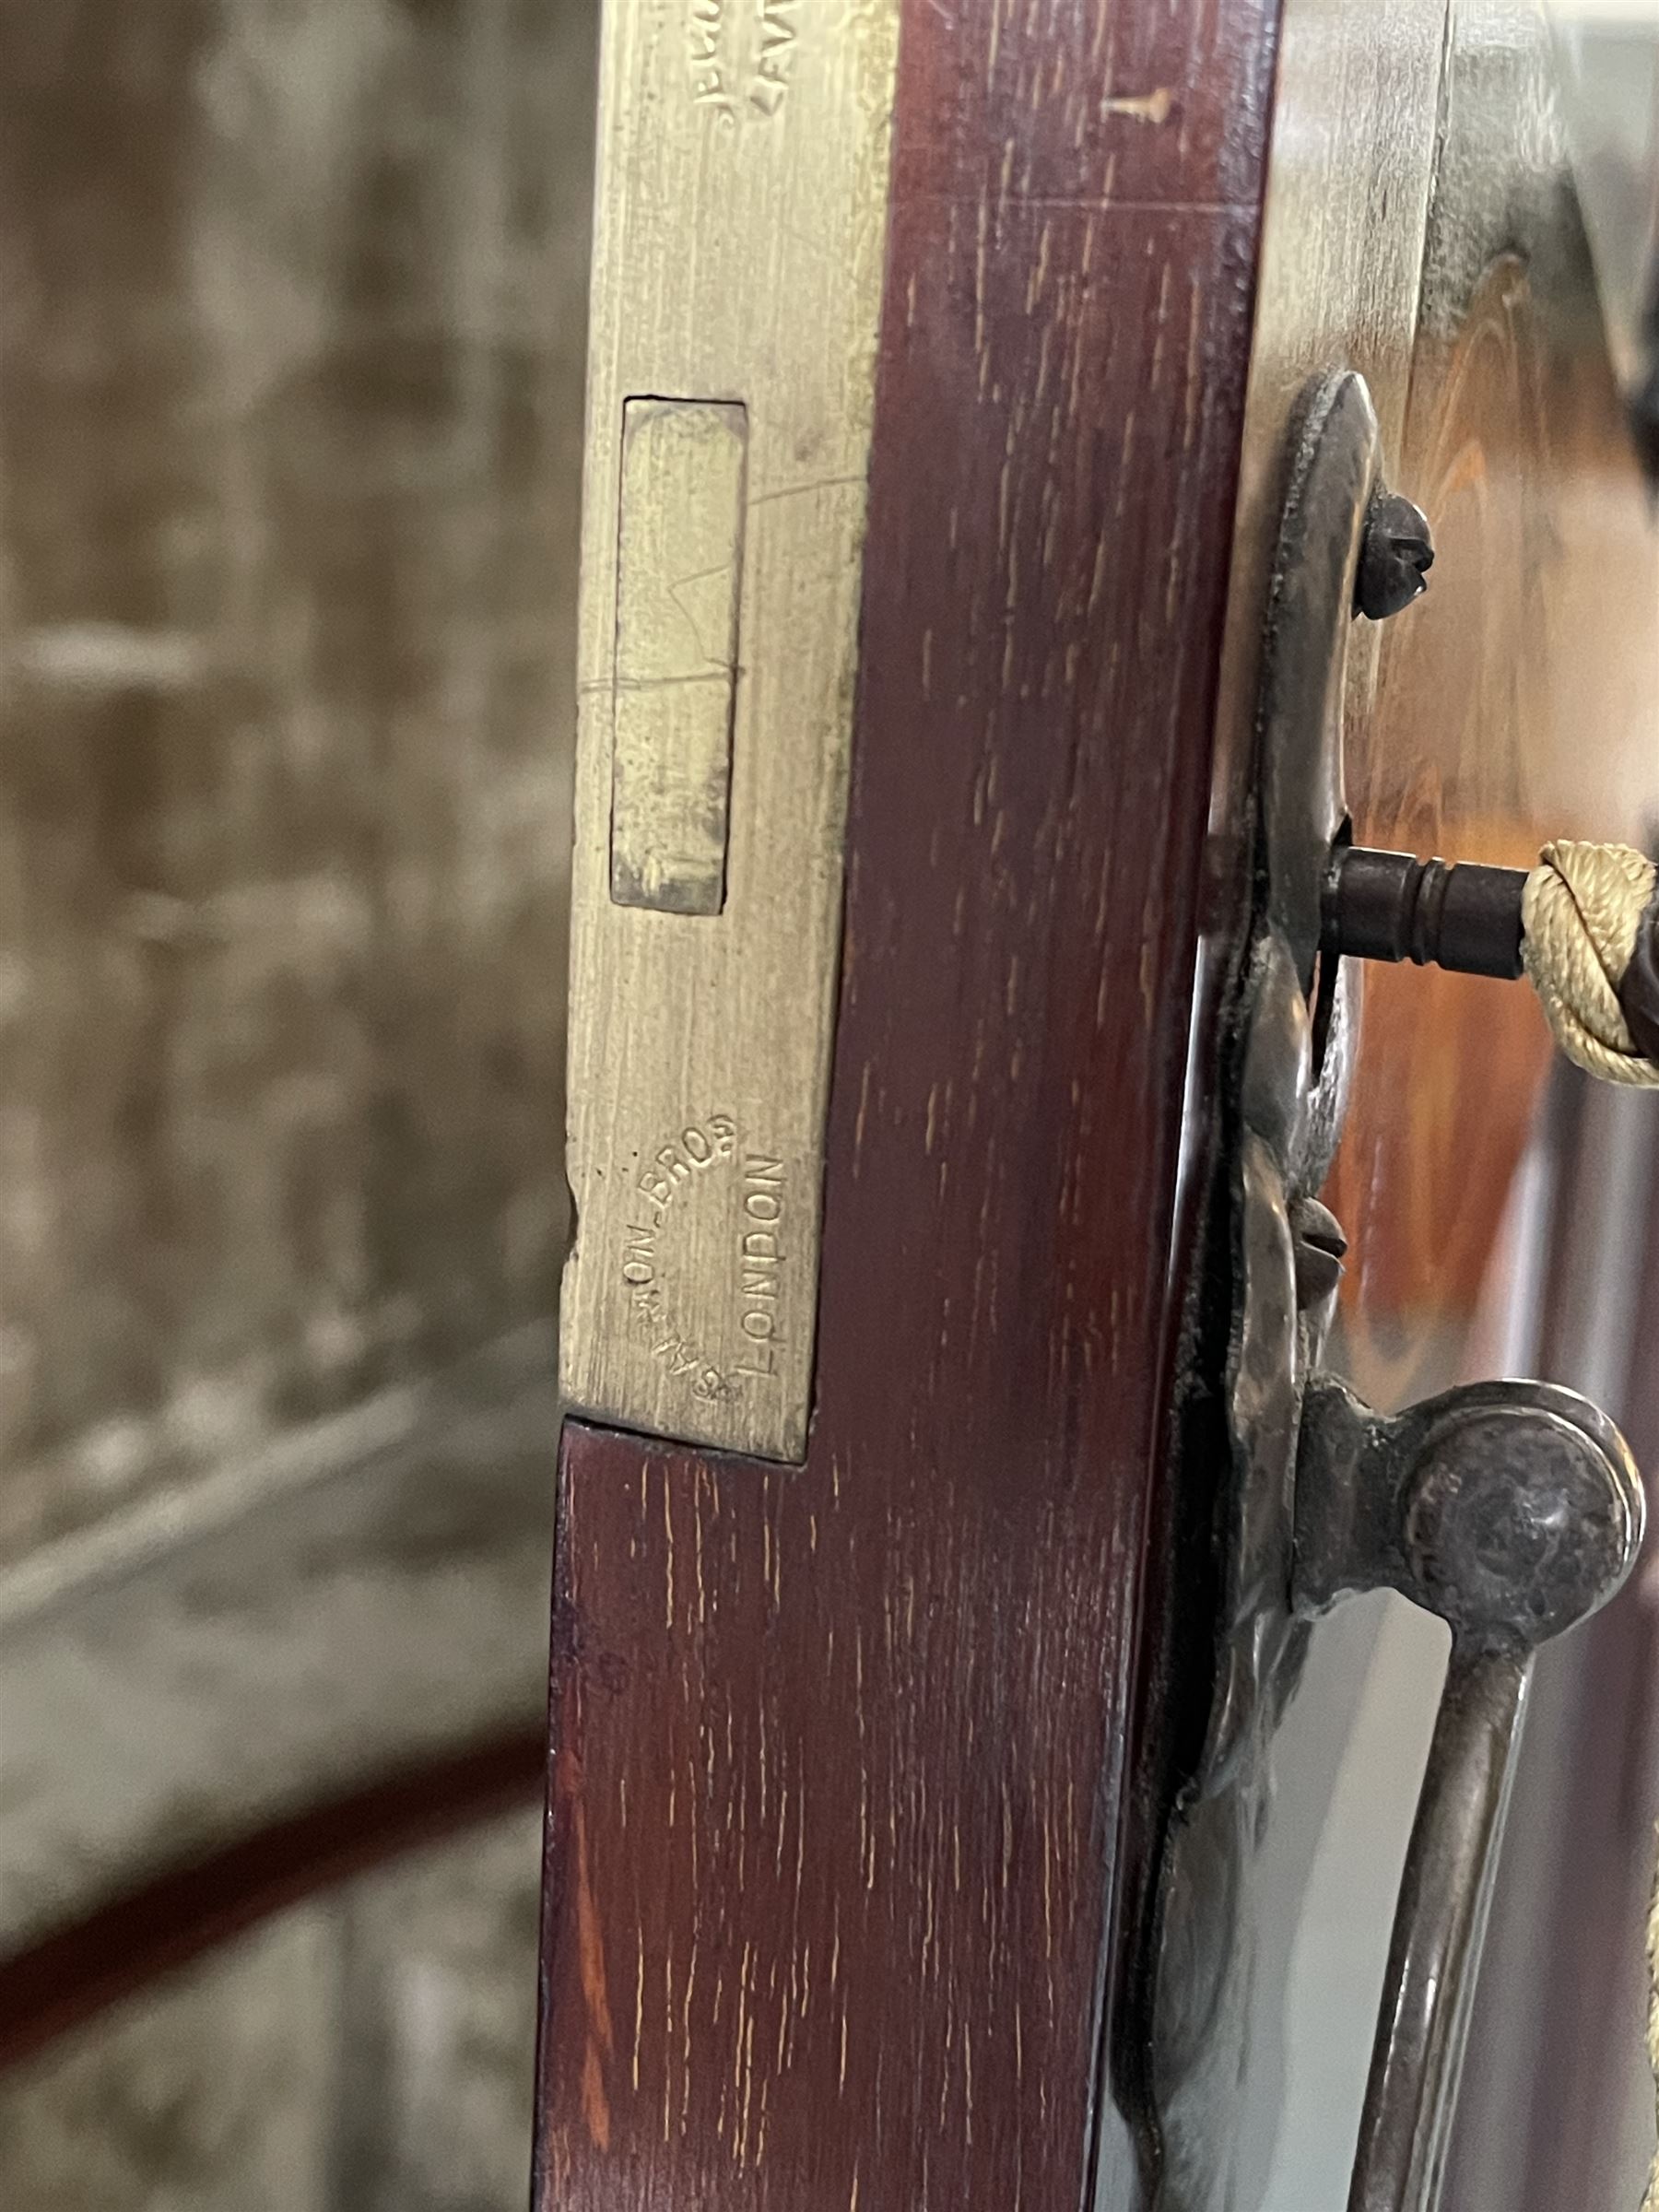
x=1583, y=913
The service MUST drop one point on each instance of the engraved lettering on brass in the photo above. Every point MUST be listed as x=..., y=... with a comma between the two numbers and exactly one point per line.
x=705, y=52
x=639, y=1256
x=674, y=1170
x=727, y=47
x=698, y=1146
x=775, y=61
x=762, y=1257
x=736, y=304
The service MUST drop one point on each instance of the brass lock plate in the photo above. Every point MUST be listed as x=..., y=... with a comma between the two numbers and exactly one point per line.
x=739, y=242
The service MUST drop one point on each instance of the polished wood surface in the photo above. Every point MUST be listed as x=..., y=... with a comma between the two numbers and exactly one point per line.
x=1516, y=702
x=885, y=1703
x=1417, y=233
x=839, y=1752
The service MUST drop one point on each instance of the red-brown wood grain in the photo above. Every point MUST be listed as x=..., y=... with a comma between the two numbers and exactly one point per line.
x=840, y=1751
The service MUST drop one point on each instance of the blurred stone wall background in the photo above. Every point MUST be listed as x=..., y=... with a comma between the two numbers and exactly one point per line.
x=292, y=342
x=367, y=2052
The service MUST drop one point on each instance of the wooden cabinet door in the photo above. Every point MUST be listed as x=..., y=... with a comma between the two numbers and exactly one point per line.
x=864, y=1740
x=1492, y=1198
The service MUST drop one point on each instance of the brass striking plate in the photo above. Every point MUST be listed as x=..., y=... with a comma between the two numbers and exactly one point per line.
x=742, y=200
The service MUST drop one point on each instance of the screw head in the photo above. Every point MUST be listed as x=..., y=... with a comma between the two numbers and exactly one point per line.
x=1395, y=558
x=1320, y=1248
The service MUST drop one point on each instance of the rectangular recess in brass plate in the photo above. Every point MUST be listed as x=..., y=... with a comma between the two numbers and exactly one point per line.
x=738, y=248
x=679, y=562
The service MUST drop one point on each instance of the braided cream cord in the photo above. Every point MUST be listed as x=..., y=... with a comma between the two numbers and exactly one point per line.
x=1583, y=906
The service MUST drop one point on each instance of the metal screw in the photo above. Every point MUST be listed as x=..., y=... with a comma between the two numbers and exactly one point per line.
x=1391, y=906
x=1395, y=558
x=1320, y=1247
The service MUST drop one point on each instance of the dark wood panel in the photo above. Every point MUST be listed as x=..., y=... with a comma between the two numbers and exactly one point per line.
x=1513, y=704
x=839, y=1753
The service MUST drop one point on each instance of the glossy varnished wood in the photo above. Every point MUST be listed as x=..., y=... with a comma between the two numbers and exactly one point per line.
x=839, y=1751
x=1356, y=98
x=1516, y=702
x=1528, y=704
